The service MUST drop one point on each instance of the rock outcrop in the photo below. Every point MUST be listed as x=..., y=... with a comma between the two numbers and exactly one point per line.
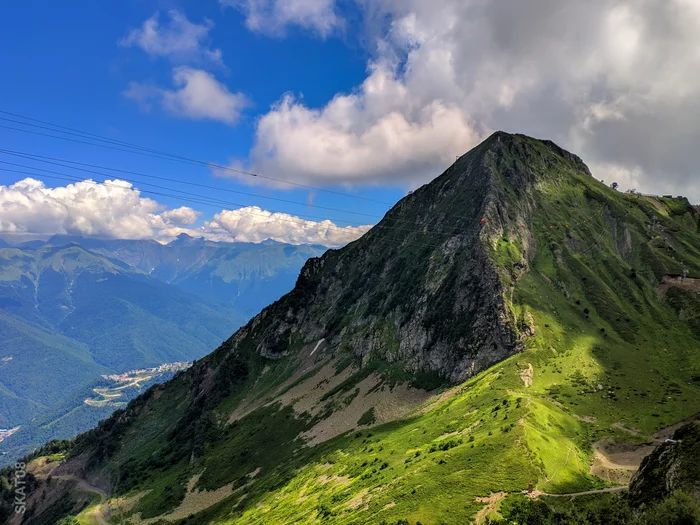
x=422, y=288
x=672, y=466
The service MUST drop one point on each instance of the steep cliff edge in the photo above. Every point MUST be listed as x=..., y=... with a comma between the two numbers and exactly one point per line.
x=422, y=288
x=673, y=466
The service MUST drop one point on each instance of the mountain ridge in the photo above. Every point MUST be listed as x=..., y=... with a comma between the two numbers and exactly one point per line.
x=454, y=185
x=538, y=303
x=229, y=273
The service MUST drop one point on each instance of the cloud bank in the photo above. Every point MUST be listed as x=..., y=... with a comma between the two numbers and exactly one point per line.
x=116, y=209
x=253, y=224
x=613, y=81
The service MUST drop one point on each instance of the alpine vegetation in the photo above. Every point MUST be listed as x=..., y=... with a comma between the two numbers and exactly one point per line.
x=508, y=344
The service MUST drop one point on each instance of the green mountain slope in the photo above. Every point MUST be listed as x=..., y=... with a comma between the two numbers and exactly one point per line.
x=82, y=407
x=70, y=315
x=513, y=322
x=34, y=361
x=74, y=308
x=663, y=492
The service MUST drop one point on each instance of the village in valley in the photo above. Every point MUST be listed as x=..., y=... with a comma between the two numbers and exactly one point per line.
x=115, y=393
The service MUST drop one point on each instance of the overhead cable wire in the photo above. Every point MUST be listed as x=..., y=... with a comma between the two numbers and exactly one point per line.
x=217, y=204
x=68, y=164
x=142, y=150
x=221, y=202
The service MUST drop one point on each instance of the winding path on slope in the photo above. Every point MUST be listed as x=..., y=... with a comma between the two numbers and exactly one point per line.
x=492, y=500
x=605, y=462
x=96, y=514
x=607, y=490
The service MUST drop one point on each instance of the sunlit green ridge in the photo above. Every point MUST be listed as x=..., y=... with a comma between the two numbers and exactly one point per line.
x=536, y=341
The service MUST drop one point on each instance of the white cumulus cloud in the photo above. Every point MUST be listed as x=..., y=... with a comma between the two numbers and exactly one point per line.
x=196, y=94
x=273, y=16
x=182, y=216
x=361, y=138
x=615, y=82
x=113, y=209
x=116, y=209
x=178, y=39
x=253, y=224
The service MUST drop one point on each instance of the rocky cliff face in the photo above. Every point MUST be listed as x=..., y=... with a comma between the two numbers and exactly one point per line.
x=672, y=466
x=422, y=287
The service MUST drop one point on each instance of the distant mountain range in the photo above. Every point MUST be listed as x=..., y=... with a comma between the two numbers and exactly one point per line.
x=245, y=276
x=73, y=308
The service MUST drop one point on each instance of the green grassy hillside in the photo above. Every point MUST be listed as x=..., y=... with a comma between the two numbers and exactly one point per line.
x=438, y=361
x=29, y=350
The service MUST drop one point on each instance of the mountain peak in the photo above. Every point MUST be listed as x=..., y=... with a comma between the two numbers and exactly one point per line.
x=515, y=249
x=429, y=276
x=523, y=148
x=424, y=276
x=184, y=239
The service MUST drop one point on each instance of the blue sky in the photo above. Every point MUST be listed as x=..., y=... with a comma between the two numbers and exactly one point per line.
x=365, y=97
x=72, y=68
